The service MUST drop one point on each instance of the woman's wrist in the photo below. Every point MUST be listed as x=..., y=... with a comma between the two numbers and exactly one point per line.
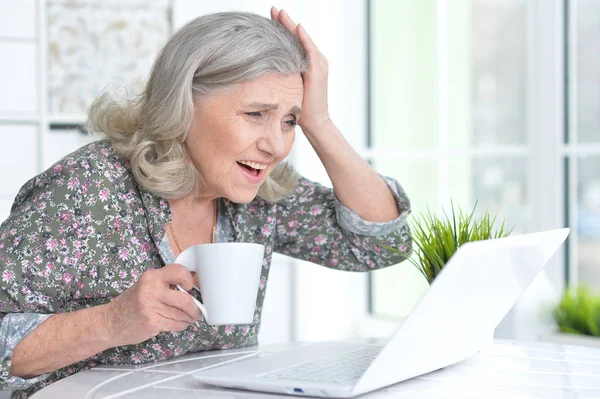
x=104, y=332
x=349, y=172
x=323, y=136
x=61, y=340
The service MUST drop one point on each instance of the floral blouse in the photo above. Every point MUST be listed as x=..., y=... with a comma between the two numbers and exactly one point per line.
x=83, y=231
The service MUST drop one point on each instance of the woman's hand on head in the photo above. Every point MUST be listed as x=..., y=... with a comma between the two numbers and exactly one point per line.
x=151, y=306
x=315, y=110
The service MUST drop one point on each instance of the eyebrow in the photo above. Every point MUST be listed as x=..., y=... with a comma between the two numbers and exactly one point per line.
x=266, y=106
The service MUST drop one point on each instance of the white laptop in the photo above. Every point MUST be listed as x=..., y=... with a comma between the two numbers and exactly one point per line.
x=454, y=320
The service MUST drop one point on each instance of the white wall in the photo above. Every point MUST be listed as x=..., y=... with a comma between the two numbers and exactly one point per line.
x=19, y=92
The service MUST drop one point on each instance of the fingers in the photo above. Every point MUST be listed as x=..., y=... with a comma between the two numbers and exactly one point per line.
x=195, y=279
x=174, y=274
x=177, y=326
x=174, y=314
x=284, y=19
x=173, y=319
x=183, y=302
x=274, y=13
x=307, y=42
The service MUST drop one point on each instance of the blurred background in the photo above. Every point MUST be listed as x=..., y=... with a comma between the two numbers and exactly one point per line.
x=495, y=101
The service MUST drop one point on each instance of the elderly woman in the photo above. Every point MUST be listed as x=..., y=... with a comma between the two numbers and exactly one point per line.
x=87, y=252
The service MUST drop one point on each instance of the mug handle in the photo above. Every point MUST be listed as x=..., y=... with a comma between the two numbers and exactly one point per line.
x=198, y=303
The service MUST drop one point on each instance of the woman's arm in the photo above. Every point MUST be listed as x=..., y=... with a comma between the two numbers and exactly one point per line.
x=355, y=183
x=312, y=225
x=61, y=340
x=140, y=313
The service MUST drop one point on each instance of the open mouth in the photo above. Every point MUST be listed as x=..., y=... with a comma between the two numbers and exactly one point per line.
x=250, y=169
x=253, y=171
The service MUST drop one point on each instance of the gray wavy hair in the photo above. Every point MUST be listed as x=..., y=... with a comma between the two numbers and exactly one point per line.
x=206, y=56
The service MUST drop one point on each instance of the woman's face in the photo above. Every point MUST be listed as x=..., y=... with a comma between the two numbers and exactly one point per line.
x=238, y=136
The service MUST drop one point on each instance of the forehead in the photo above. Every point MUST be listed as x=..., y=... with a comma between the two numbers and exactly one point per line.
x=271, y=88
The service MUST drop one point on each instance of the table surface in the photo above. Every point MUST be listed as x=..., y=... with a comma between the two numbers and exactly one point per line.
x=505, y=369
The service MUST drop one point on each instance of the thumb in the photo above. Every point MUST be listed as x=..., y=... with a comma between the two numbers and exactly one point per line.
x=174, y=273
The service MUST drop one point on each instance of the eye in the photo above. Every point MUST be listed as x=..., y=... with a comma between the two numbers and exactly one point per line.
x=291, y=123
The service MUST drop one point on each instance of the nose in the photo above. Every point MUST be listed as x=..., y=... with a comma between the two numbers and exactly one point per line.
x=271, y=142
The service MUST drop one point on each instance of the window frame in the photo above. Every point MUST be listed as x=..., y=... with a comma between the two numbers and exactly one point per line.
x=571, y=150
x=545, y=151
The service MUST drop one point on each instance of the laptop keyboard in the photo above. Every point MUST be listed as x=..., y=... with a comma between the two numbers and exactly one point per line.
x=337, y=368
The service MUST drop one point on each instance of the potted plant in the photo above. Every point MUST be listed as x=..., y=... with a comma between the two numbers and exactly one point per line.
x=436, y=239
x=577, y=318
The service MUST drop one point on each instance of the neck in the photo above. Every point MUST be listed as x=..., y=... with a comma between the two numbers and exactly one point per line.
x=199, y=199
x=192, y=207
x=193, y=202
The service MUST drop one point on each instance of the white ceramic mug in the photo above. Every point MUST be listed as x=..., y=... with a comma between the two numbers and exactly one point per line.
x=229, y=276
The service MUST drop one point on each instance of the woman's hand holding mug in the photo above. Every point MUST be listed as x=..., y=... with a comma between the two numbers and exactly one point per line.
x=151, y=306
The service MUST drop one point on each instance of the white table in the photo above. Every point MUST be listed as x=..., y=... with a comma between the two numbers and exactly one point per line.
x=503, y=370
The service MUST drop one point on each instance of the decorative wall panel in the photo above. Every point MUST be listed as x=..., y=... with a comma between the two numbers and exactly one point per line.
x=93, y=43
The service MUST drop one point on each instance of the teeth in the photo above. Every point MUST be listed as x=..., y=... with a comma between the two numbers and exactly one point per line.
x=254, y=164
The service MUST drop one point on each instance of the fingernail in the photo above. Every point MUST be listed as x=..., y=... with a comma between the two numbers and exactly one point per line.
x=274, y=8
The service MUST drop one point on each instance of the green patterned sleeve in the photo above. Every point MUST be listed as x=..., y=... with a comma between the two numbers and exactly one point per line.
x=313, y=225
x=41, y=252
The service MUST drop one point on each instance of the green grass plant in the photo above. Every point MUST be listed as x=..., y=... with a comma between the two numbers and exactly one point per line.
x=435, y=239
x=578, y=312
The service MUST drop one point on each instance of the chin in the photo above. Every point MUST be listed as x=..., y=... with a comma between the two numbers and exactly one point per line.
x=243, y=197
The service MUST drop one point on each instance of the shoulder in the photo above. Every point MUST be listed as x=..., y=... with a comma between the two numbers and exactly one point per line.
x=93, y=168
x=96, y=159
